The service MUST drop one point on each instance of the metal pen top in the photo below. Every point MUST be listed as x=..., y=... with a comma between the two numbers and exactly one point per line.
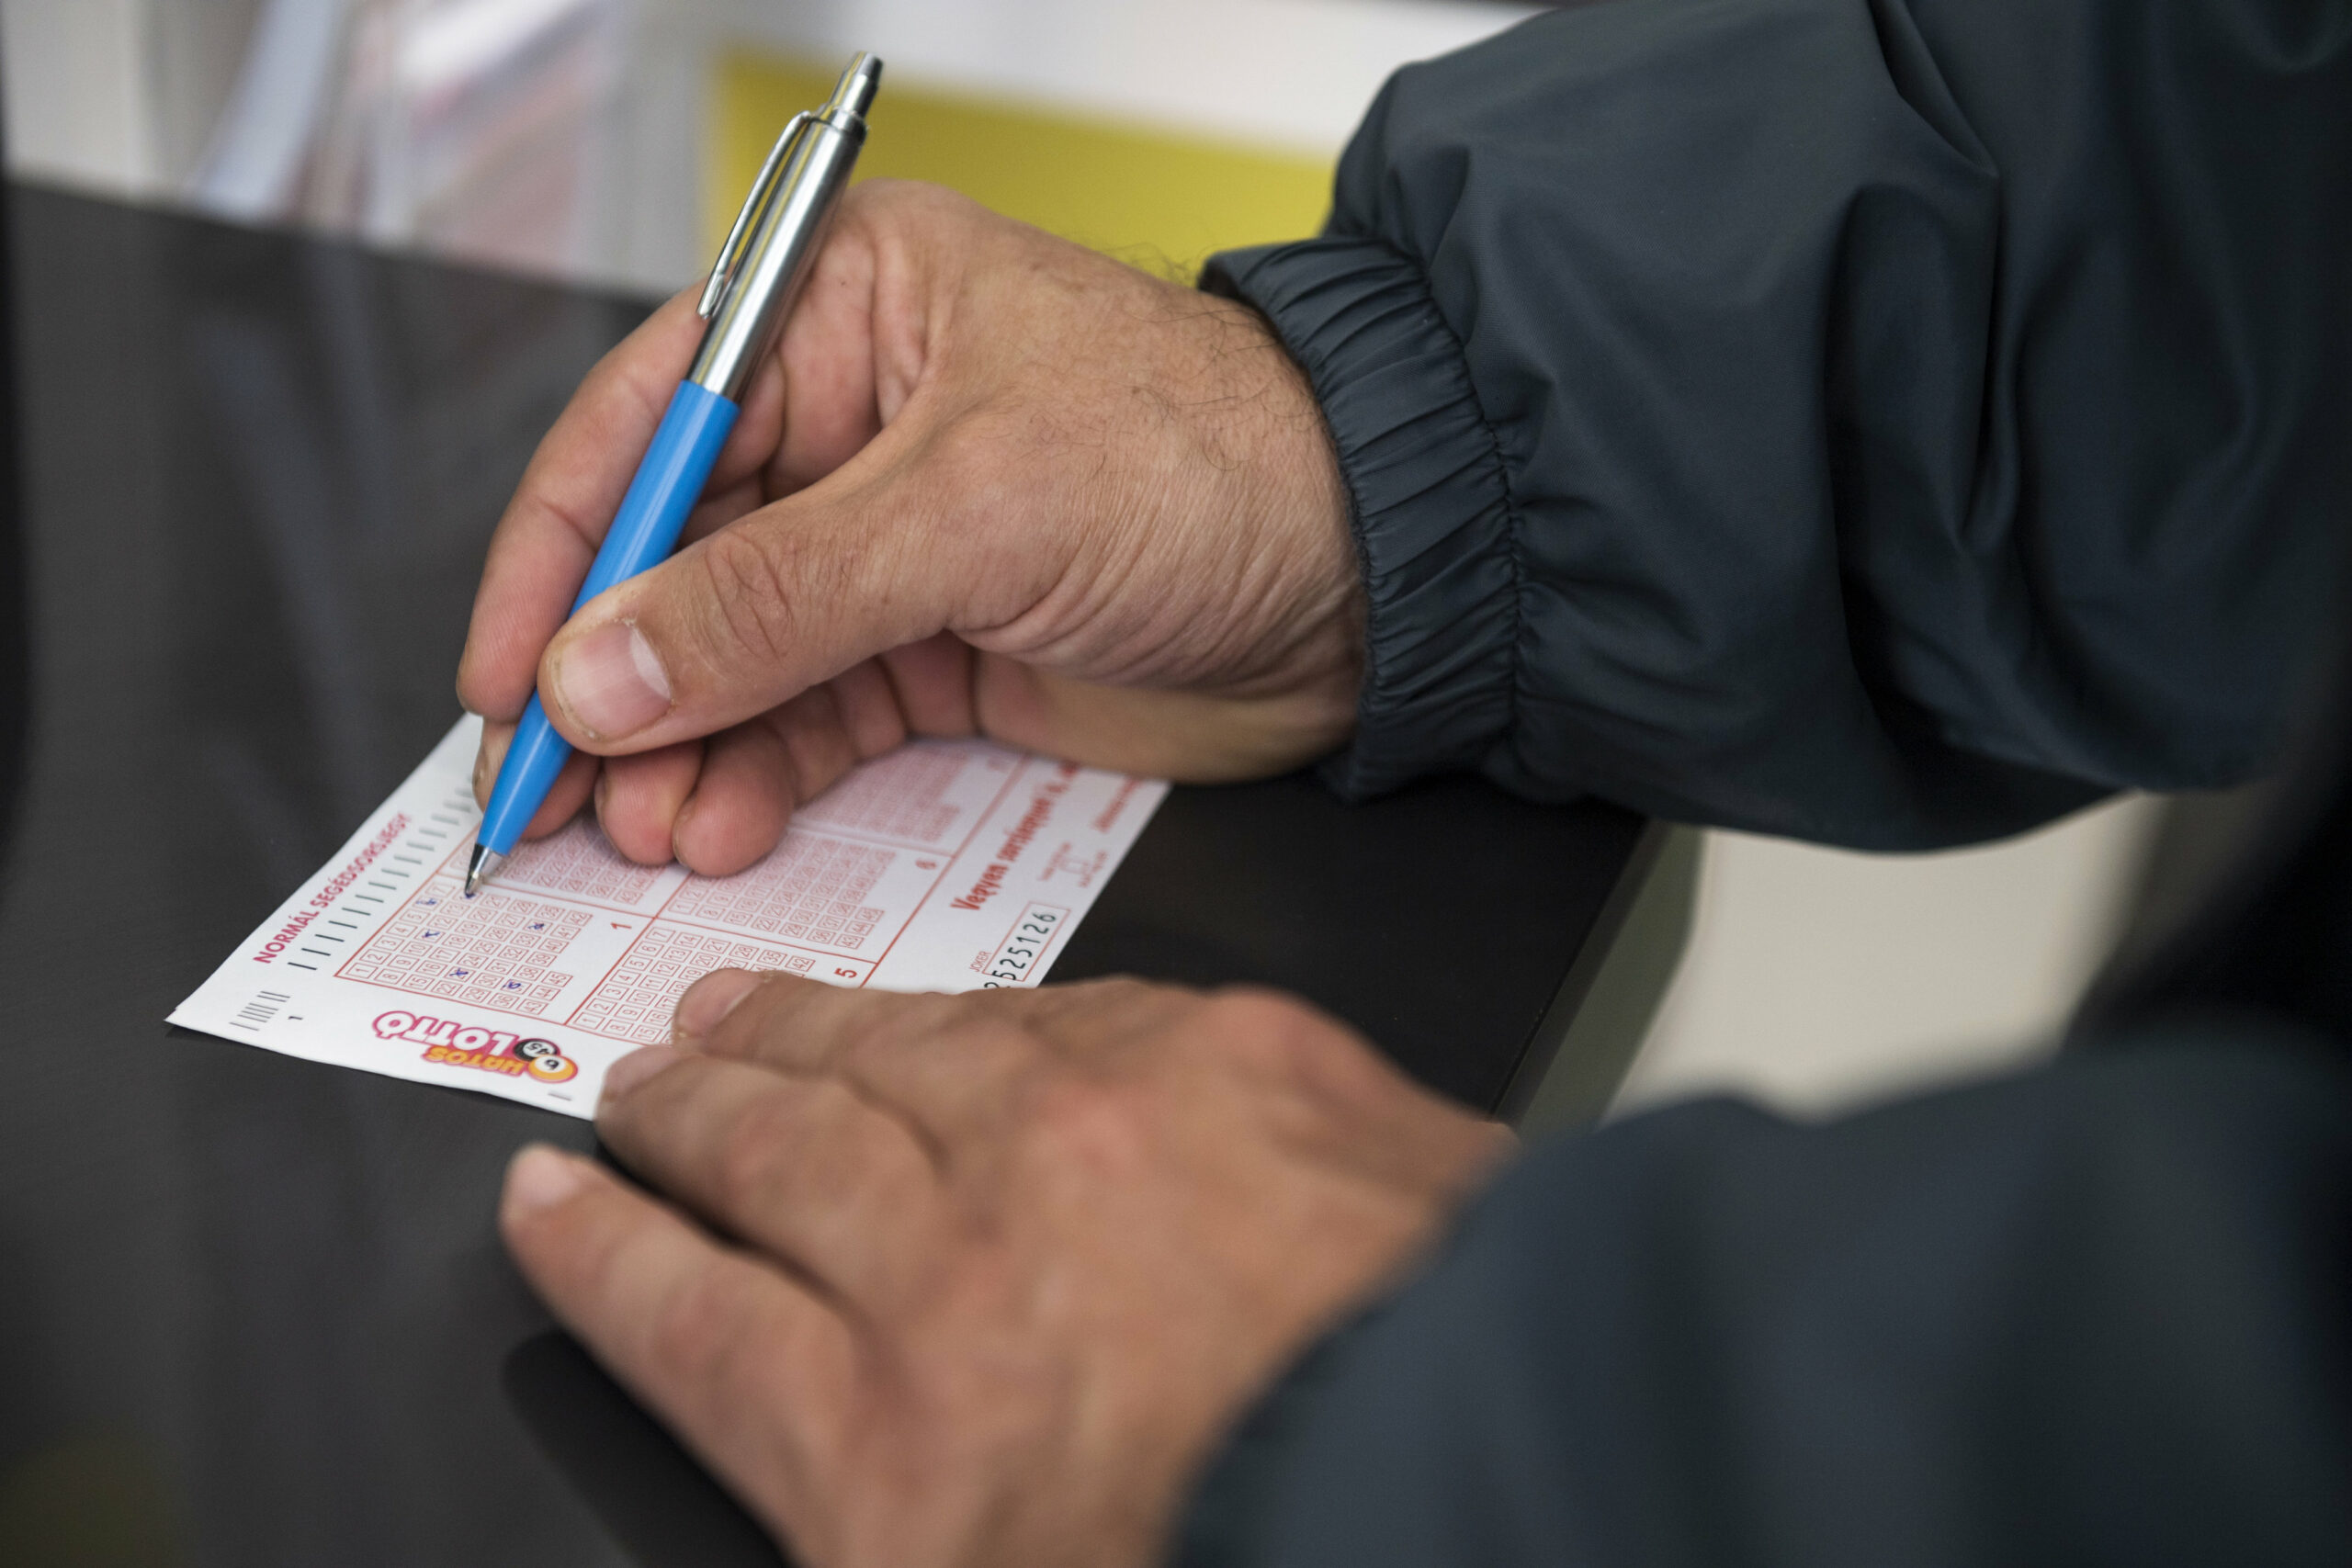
x=855, y=92
x=766, y=254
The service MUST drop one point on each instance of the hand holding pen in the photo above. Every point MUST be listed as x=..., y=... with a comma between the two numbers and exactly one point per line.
x=761, y=268
x=986, y=482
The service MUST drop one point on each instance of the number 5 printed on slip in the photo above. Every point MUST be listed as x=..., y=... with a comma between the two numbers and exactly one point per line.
x=947, y=865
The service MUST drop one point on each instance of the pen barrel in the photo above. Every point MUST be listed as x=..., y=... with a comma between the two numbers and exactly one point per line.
x=778, y=255
x=668, y=484
x=653, y=514
x=534, y=757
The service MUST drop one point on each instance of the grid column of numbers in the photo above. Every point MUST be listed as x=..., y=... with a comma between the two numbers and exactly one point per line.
x=493, y=951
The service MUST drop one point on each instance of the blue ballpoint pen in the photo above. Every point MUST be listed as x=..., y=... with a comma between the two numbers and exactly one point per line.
x=760, y=270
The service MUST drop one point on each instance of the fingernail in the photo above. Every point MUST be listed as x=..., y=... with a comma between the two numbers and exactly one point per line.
x=611, y=682
x=633, y=1069
x=709, y=1000
x=540, y=1177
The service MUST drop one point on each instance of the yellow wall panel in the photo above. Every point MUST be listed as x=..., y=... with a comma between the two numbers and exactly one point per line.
x=1160, y=200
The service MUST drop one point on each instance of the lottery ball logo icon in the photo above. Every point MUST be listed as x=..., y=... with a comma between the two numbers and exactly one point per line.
x=545, y=1061
x=456, y=1045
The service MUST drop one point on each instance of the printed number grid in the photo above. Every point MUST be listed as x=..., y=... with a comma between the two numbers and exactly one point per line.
x=812, y=889
x=636, y=999
x=493, y=951
x=900, y=795
x=579, y=861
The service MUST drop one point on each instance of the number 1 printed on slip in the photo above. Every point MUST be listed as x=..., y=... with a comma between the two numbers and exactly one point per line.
x=947, y=865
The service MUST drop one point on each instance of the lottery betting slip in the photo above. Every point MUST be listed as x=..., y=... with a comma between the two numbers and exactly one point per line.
x=947, y=865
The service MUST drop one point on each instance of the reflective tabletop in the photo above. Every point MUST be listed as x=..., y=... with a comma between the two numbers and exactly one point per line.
x=252, y=1310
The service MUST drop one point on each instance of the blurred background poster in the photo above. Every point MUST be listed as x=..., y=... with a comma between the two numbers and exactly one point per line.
x=611, y=139
x=474, y=128
x=471, y=128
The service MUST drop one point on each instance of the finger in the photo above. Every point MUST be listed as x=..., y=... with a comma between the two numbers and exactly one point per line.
x=807, y=1026
x=568, y=498
x=751, y=1368
x=796, y=1025
x=829, y=729
x=930, y=683
x=742, y=801
x=759, y=771
x=865, y=701
x=1090, y=1018
x=639, y=796
x=817, y=747
x=801, y=1167
x=755, y=775
x=565, y=797
x=889, y=549
x=954, y=1065
x=540, y=553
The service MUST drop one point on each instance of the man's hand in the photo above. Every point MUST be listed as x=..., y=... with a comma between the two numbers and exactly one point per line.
x=990, y=482
x=979, y=1279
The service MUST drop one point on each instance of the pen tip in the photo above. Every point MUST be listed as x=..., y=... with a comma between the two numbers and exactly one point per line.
x=858, y=84
x=482, y=868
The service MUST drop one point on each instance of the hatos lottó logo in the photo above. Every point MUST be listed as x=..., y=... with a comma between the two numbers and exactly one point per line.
x=469, y=1045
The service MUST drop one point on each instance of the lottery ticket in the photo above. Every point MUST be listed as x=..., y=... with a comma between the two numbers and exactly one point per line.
x=946, y=865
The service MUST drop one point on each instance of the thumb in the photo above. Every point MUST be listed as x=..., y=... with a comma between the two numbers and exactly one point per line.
x=746, y=619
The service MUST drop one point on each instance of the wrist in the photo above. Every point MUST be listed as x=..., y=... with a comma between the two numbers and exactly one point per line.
x=1429, y=505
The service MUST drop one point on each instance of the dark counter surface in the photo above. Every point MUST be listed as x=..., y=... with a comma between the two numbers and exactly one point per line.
x=252, y=1310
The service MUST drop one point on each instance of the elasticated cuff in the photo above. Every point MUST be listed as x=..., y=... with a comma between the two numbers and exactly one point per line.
x=1429, y=506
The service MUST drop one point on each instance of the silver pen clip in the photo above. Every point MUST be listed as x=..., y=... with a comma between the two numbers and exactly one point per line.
x=730, y=255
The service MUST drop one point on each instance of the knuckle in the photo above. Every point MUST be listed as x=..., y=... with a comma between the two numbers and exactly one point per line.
x=1097, y=997
x=1245, y=1012
x=1269, y=1031
x=1089, y=1122
x=752, y=609
x=964, y=1029
x=696, y=1327
x=1123, y=989
x=753, y=1153
x=974, y=1021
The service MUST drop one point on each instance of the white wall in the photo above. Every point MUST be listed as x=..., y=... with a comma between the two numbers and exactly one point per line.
x=1817, y=978
x=78, y=106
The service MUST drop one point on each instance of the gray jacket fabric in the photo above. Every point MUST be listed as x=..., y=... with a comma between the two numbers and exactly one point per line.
x=1888, y=424
x=1891, y=423
x=2098, y=1312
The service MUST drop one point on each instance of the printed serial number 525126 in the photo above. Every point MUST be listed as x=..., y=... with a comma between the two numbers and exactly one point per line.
x=1032, y=934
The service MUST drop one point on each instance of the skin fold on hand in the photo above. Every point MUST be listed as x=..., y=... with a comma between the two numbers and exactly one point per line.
x=990, y=482
x=980, y=1280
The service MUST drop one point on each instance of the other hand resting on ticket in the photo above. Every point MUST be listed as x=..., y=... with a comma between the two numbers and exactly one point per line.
x=894, y=1291
x=989, y=483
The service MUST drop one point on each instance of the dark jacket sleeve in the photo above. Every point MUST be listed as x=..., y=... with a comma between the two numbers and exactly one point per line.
x=1887, y=422
x=2101, y=1313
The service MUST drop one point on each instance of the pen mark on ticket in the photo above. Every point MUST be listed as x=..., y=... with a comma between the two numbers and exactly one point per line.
x=946, y=865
